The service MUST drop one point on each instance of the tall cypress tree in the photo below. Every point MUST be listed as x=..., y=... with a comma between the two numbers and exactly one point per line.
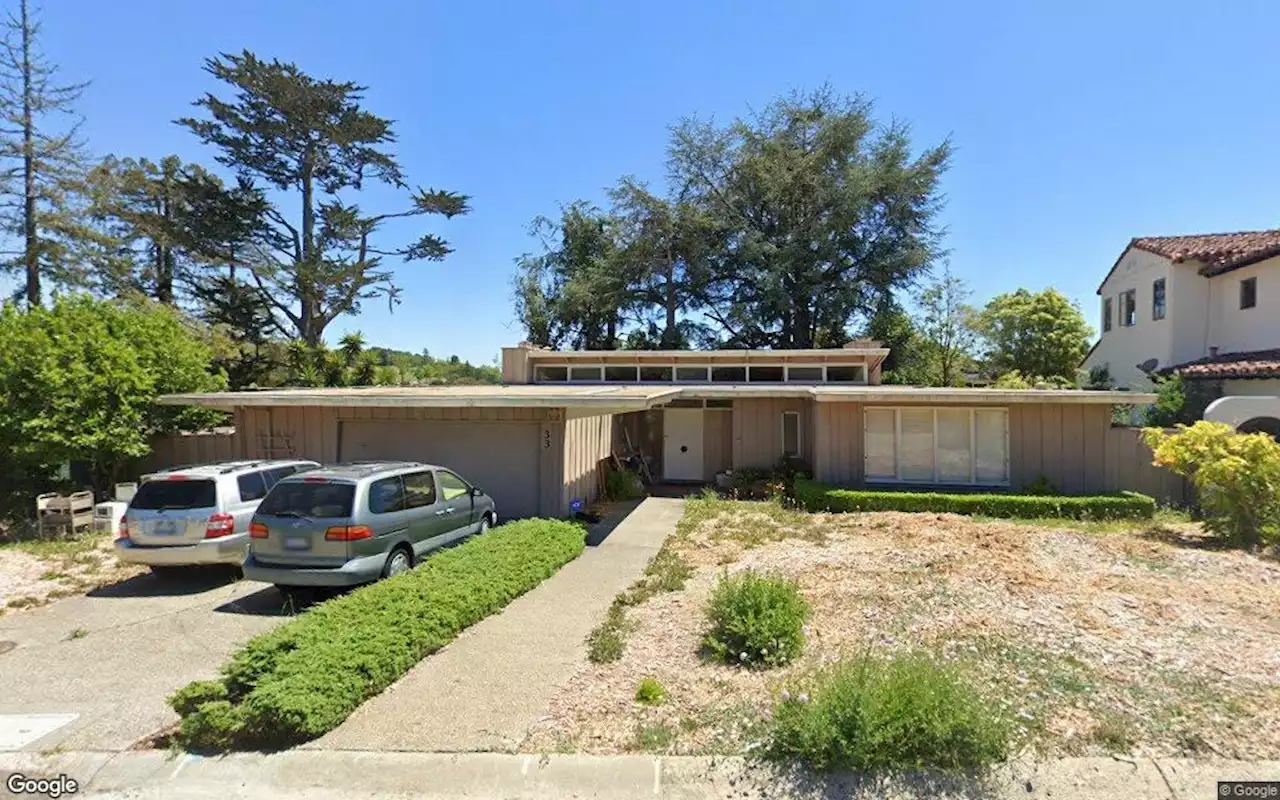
x=311, y=139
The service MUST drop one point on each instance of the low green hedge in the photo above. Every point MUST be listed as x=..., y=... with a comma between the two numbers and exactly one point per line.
x=815, y=496
x=303, y=679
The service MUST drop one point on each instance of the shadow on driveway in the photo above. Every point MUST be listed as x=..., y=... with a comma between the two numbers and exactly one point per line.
x=185, y=581
x=269, y=602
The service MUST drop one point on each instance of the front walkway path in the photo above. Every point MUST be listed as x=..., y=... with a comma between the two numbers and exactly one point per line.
x=490, y=685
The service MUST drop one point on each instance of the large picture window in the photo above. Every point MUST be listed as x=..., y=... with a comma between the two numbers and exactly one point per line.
x=936, y=445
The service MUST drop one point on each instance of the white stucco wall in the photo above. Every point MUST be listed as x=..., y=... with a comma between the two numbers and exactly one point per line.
x=1189, y=299
x=1253, y=387
x=1233, y=329
x=1121, y=349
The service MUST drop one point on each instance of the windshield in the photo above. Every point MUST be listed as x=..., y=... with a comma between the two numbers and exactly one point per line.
x=297, y=498
x=166, y=495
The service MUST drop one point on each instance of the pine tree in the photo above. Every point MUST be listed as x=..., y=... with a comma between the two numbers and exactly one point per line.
x=43, y=162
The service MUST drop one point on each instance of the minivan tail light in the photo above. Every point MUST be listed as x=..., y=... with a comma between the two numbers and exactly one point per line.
x=220, y=524
x=123, y=531
x=257, y=530
x=348, y=533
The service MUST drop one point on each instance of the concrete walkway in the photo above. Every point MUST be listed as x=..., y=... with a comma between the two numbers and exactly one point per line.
x=487, y=688
x=346, y=775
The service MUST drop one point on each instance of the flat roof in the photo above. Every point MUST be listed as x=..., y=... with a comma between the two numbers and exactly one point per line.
x=631, y=396
x=709, y=355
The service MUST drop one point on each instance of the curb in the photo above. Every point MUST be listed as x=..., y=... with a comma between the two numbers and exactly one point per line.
x=361, y=774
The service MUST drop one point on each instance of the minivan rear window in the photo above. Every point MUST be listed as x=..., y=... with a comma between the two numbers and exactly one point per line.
x=167, y=495
x=296, y=498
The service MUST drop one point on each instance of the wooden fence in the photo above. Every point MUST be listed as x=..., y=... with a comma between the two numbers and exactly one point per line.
x=180, y=449
x=1129, y=468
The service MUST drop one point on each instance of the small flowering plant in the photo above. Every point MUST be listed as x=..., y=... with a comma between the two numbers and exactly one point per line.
x=756, y=621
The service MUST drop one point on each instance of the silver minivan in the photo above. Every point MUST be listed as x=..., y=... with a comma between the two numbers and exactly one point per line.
x=199, y=514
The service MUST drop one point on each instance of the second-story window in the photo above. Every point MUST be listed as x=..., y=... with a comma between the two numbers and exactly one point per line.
x=1129, y=308
x=1106, y=314
x=1157, y=299
x=1248, y=293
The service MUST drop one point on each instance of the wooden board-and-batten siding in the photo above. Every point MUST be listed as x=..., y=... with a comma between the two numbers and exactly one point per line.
x=757, y=430
x=587, y=441
x=315, y=433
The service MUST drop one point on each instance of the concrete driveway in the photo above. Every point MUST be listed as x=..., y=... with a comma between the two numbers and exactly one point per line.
x=101, y=666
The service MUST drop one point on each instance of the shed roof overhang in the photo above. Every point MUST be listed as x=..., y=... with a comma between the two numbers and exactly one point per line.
x=632, y=398
x=609, y=399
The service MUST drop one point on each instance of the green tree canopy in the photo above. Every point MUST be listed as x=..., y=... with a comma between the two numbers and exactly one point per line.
x=312, y=139
x=946, y=330
x=817, y=208
x=171, y=228
x=42, y=163
x=1040, y=335
x=579, y=290
x=79, y=380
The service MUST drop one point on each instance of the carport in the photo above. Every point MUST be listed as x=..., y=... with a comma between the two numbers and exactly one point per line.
x=534, y=448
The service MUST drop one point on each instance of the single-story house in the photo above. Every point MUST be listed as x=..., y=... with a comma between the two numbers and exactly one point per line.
x=536, y=441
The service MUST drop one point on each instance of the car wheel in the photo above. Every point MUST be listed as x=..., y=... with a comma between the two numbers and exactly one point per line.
x=399, y=561
x=484, y=525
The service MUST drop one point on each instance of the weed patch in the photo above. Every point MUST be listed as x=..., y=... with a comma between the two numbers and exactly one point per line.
x=872, y=714
x=756, y=620
x=654, y=738
x=650, y=692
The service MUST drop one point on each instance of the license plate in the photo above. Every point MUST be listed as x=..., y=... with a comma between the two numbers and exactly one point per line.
x=297, y=543
x=165, y=528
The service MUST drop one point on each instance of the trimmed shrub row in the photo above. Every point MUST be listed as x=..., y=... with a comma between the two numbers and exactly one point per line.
x=301, y=680
x=815, y=496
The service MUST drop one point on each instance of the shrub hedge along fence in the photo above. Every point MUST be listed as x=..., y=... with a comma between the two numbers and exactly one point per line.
x=815, y=496
x=301, y=680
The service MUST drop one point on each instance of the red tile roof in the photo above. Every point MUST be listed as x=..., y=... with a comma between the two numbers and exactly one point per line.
x=1218, y=252
x=1252, y=364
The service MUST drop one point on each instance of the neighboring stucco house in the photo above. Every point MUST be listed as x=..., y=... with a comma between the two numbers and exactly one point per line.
x=1205, y=306
x=536, y=442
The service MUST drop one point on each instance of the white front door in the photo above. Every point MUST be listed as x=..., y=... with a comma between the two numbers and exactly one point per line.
x=682, y=444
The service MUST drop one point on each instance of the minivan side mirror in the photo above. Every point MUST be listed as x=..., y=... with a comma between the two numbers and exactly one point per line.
x=476, y=491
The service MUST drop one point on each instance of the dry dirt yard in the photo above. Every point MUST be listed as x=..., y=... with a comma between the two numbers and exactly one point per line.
x=1095, y=638
x=33, y=573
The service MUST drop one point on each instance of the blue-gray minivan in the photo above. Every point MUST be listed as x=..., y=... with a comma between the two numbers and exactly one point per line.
x=354, y=523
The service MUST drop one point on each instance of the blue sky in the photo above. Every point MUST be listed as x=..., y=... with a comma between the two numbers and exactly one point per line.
x=1077, y=125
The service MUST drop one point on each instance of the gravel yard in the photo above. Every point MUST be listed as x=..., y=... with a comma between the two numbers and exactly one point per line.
x=1098, y=639
x=36, y=572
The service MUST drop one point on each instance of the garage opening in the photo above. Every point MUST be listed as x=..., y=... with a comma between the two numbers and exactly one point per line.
x=499, y=457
